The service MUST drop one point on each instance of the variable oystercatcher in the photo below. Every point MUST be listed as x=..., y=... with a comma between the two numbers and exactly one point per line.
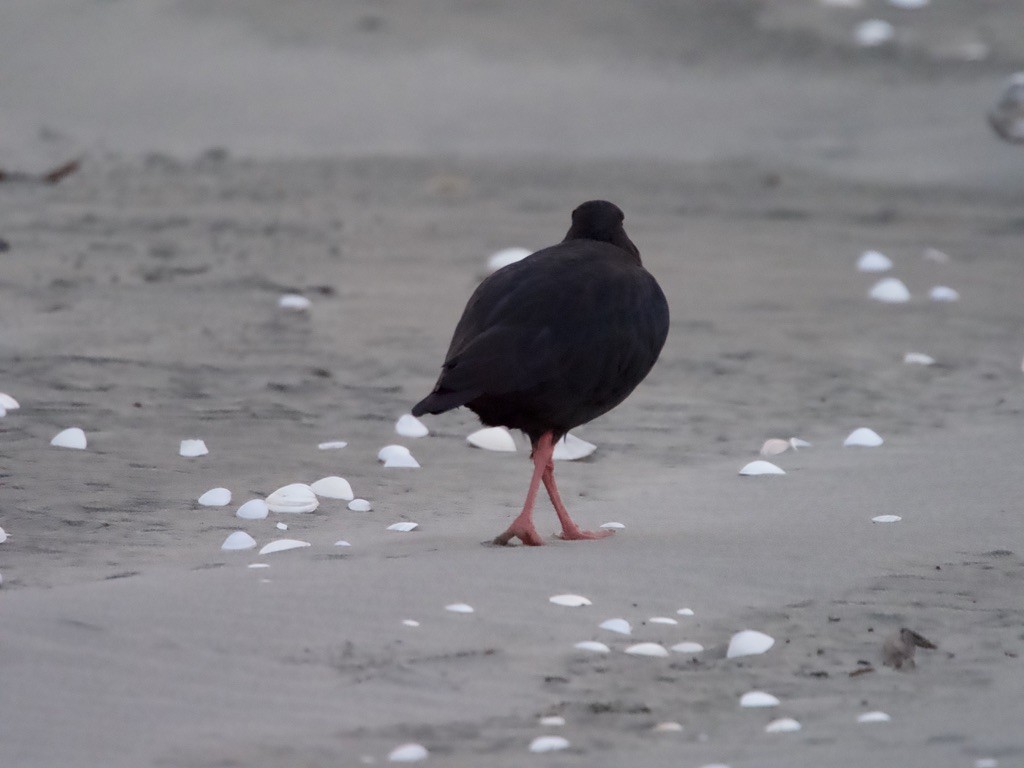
x=552, y=342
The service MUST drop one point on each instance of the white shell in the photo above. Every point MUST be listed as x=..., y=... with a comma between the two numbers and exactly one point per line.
x=796, y=442
x=943, y=293
x=886, y=519
x=592, y=645
x=647, y=649
x=360, y=505
x=216, y=497
x=865, y=437
x=504, y=257
x=873, y=32
x=408, y=753
x=570, y=601
x=891, y=290
x=258, y=565
x=192, y=448
x=492, y=439
x=283, y=545
x=662, y=620
x=409, y=426
x=397, y=456
x=934, y=254
x=295, y=498
x=685, y=611
x=459, y=608
x=281, y=527
x=403, y=527
x=3, y=535
x=873, y=717
x=758, y=699
x=782, y=725
x=570, y=448
x=239, y=540
x=332, y=445
x=616, y=625
x=254, y=509
x=760, y=467
x=909, y=5
x=410, y=622
x=774, y=446
x=342, y=543
x=873, y=261
x=548, y=744
x=613, y=526
x=333, y=487
x=70, y=438
x=293, y=301
x=552, y=721
x=687, y=647
x=918, y=358
x=8, y=403
x=749, y=642
x=668, y=727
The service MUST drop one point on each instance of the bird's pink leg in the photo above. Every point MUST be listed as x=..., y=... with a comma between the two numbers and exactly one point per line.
x=522, y=527
x=570, y=531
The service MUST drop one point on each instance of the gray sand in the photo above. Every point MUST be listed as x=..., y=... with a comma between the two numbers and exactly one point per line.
x=139, y=302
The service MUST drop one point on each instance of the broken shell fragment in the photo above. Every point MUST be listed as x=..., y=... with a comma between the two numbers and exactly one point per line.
x=873, y=717
x=73, y=437
x=782, y=725
x=332, y=445
x=254, y=509
x=571, y=448
x=647, y=649
x=192, y=448
x=360, y=505
x=890, y=290
x=504, y=257
x=459, y=608
x=943, y=293
x=918, y=358
x=758, y=699
x=616, y=625
x=409, y=426
x=797, y=443
x=216, y=497
x=293, y=301
x=548, y=744
x=408, y=753
x=281, y=527
x=774, y=446
x=760, y=467
x=687, y=647
x=864, y=437
x=662, y=620
x=238, y=540
x=749, y=642
x=295, y=498
x=873, y=261
x=397, y=456
x=283, y=545
x=592, y=645
x=403, y=527
x=569, y=601
x=492, y=439
x=333, y=487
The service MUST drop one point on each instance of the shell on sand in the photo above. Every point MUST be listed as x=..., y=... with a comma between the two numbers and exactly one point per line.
x=873, y=32
x=552, y=721
x=758, y=699
x=548, y=744
x=685, y=611
x=864, y=437
x=192, y=448
x=616, y=625
x=281, y=527
x=342, y=543
x=918, y=358
x=331, y=445
x=293, y=301
x=613, y=526
x=238, y=540
x=943, y=293
x=360, y=505
x=873, y=717
x=873, y=261
x=409, y=426
x=886, y=519
x=216, y=497
x=774, y=446
x=408, y=753
x=254, y=509
x=397, y=456
x=492, y=439
x=760, y=467
x=782, y=725
x=569, y=601
x=571, y=448
x=647, y=649
x=73, y=437
x=8, y=403
x=459, y=608
x=890, y=290
x=333, y=487
x=687, y=647
x=668, y=727
x=295, y=498
x=283, y=545
x=3, y=535
x=662, y=620
x=749, y=642
x=592, y=645
x=410, y=623
x=403, y=527
x=798, y=443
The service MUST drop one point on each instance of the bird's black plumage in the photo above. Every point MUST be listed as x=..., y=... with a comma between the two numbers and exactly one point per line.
x=559, y=338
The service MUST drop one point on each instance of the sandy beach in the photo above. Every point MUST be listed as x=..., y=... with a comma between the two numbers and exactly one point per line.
x=371, y=157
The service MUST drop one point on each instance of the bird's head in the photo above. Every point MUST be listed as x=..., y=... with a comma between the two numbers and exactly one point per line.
x=601, y=220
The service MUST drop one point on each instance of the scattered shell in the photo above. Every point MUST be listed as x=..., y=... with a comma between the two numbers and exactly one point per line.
x=504, y=257
x=570, y=448
x=410, y=622
x=192, y=448
x=749, y=642
x=760, y=467
x=614, y=526
x=552, y=721
x=408, y=753
x=886, y=519
x=333, y=487
x=258, y=565
x=283, y=545
x=239, y=540
x=342, y=543
x=332, y=445
x=873, y=32
x=569, y=601
x=668, y=727
x=459, y=608
x=295, y=498
x=360, y=505
x=909, y=5
x=216, y=497
x=409, y=426
x=873, y=261
x=282, y=527
x=1007, y=116
x=662, y=620
x=592, y=645
x=774, y=446
x=943, y=293
x=647, y=649
x=758, y=699
x=685, y=611
x=3, y=535
x=254, y=509
x=873, y=717
x=782, y=725
x=397, y=456
x=403, y=527
x=891, y=290
x=492, y=439
x=837, y=4
x=918, y=358
x=865, y=437
x=548, y=744
x=70, y=438
x=934, y=254
x=8, y=403
x=616, y=625
x=293, y=301
x=797, y=443
x=687, y=647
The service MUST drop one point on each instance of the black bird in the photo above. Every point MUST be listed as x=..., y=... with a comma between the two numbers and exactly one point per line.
x=554, y=341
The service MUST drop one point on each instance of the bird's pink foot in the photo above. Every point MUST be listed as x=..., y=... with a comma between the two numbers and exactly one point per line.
x=526, y=533
x=575, y=534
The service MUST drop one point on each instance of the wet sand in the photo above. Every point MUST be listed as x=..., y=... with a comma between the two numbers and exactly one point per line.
x=138, y=301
